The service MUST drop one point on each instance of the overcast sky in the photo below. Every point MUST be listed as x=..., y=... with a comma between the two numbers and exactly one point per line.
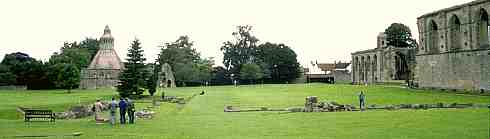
x=323, y=30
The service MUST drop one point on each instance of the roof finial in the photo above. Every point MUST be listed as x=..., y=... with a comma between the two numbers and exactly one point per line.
x=107, y=30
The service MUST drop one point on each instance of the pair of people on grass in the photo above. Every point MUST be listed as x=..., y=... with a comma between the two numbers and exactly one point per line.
x=125, y=106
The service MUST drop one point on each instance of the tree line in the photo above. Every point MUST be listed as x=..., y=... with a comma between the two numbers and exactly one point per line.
x=246, y=60
x=61, y=71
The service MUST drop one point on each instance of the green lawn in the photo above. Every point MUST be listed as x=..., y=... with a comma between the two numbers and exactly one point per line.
x=203, y=116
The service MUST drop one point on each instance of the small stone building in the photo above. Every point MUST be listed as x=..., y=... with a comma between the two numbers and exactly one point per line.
x=382, y=64
x=454, y=50
x=166, y=77
x=103, y=71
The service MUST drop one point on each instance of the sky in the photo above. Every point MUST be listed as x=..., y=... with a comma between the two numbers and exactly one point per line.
x=317, y=30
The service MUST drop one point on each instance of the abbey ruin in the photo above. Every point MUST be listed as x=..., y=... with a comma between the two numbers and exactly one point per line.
x=453, y=52
x=383, y=64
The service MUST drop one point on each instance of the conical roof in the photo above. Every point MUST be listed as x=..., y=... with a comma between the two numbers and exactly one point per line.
x=106, y=57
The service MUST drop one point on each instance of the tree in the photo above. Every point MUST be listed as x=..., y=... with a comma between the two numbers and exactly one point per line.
x=37, y=77
x=399, y=35
x=203, y=69
x=251, y=72
x=278, y=61
x=132, y=78
x=180, y=51
x=151, y=83
x=186, y=63
x=19, y=64
x=184, y=72
x=77, y=56
x=6, y=77
x=69, y=77
x=241, y=51
x=220, y=76
x=91, y=45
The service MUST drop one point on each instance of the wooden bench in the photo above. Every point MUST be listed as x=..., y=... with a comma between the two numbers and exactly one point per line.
x=39, y=114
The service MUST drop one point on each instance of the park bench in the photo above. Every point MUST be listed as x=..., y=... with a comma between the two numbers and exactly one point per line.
x=39, y=114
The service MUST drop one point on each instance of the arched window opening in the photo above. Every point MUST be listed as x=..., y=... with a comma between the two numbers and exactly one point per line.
x=483, y=29
x=434, y=38
x=455, y=33
x=401, y=66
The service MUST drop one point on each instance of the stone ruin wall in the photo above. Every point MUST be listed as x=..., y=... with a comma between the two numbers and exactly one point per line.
x=376, y=65
x=99, y=78
x=463, y=70
x=342, y=76
x=443, y=62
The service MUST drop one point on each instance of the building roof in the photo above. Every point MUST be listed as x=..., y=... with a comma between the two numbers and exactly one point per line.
x=106, y=58
x=332, y=66
x=107, y=33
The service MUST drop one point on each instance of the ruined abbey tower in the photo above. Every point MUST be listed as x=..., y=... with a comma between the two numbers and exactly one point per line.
x=103, y=71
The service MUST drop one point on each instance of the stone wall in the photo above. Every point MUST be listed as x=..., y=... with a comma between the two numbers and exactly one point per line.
x=454, y=48
x=463, y=70
x=99, y=78
x=380, y=64
x=341, y=76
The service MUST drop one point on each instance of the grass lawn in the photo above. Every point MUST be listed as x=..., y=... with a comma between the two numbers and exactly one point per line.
x=203, y=116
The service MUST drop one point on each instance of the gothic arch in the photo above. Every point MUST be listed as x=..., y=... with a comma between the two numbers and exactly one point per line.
x=455, y=32
x=483, y=28
x=433, y=38
x=401, y=66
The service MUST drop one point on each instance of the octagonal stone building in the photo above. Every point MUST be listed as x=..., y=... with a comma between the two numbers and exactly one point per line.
x=103, y=71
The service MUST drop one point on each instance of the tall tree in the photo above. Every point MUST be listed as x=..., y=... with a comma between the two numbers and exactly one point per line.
x=179, y=51
x=220, y=76
x=132, y=78
x=20, y=65
x=251, y=72
x=91, y=45
x=6, y=77
x=241, y=50
x=152, y=81
x=203, y=69
x=186, y=63
x=278, y=61
x=69, y=77
x=399, y=35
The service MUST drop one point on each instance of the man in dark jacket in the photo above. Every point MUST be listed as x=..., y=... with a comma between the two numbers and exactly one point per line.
x=122, y=110
x=131, y=110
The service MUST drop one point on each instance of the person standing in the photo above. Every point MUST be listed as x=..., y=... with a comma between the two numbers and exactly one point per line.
x=113, y=107
x=98, y=110
x=362, y=101
x=131, y=110
x=122, y=110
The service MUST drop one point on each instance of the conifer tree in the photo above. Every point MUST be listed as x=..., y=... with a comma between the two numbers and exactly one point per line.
x=132, y=78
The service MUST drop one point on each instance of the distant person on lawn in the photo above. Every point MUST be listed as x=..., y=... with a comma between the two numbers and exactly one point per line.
x=113, y=108
x=362, y=101
x=131, y=110
x=122, y=110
